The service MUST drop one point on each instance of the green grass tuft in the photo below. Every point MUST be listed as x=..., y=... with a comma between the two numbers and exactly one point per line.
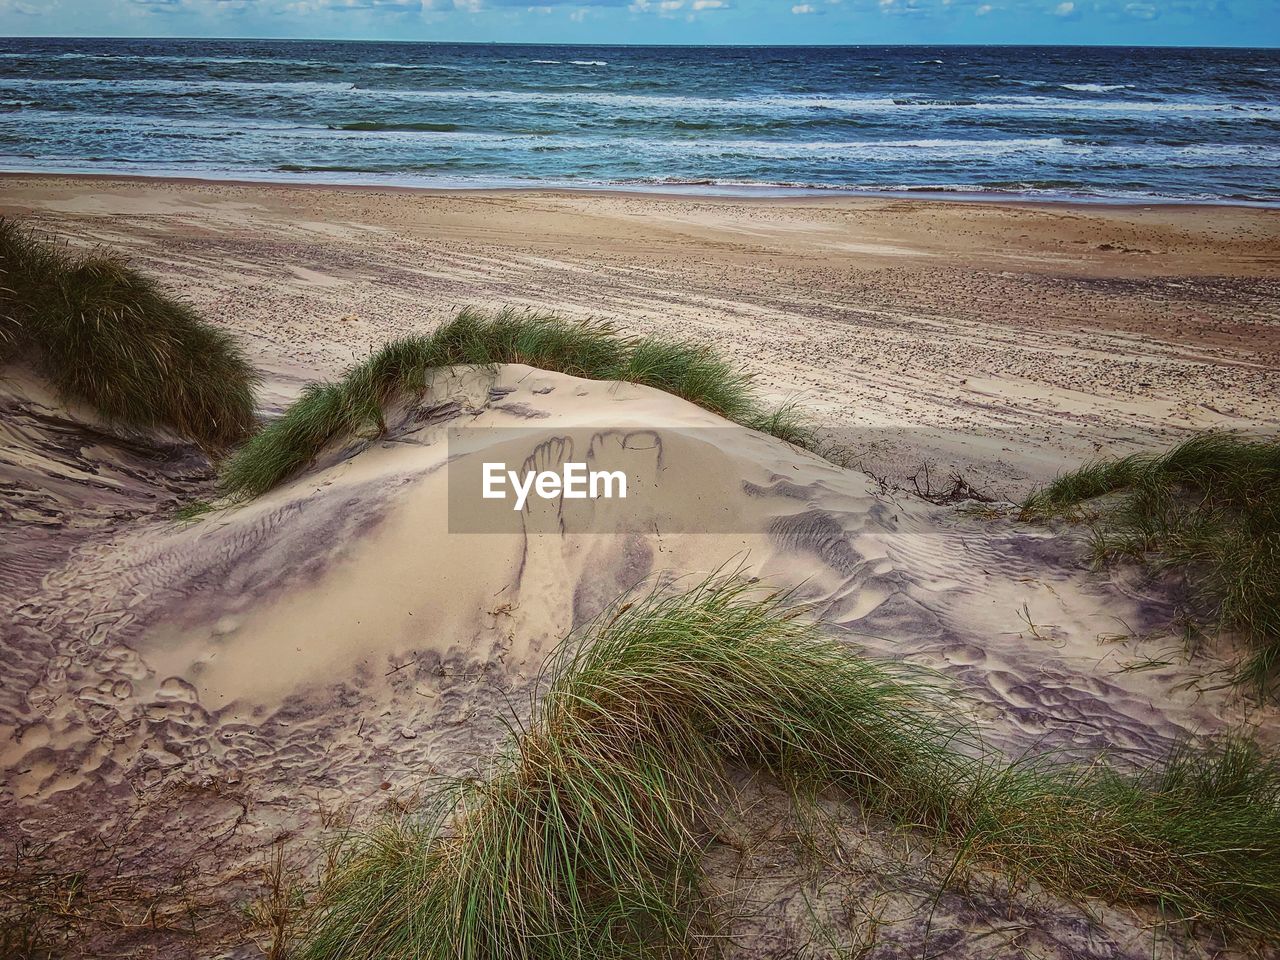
x=1209, y=508
x=192, y=511
x=691, y=372
x=586, y=838
x=354, y=405
x=106, y=335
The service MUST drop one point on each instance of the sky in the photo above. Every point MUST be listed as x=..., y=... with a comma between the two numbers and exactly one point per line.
x=1136, y=22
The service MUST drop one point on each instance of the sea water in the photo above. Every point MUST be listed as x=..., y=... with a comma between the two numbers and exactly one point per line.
x=1043, y=122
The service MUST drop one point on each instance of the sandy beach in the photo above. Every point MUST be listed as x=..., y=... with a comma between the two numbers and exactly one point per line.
x=192, y=706
x=1004, y=341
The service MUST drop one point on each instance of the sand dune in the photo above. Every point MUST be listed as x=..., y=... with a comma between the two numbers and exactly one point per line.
x=335, y=635
x=182, y=698
x=354, y=566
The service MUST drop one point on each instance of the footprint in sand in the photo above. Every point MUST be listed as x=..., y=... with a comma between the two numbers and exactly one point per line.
x=616, y=564
x=558, y=547
x=542, y=571
x=545, y=516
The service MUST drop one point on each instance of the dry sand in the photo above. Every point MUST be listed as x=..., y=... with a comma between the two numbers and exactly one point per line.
x=1006, y=341
x=184, y=698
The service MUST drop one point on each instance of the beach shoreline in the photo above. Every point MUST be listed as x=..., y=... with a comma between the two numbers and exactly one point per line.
x=763, y=193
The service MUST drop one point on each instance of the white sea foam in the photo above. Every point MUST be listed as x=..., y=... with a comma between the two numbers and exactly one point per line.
x=158, y=58
x=769, y=103
x=390, y=65
x=1096, y=87
x=886, y=150
x=431, y=143
x=181, y=86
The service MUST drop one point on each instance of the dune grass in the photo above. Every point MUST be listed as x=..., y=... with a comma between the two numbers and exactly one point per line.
x=1210, y=509
x=790, y=422
x=107, y=335
x=354, y=406
x=586, y=837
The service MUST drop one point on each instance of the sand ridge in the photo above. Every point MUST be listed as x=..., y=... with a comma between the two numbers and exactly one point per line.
x=353, y=566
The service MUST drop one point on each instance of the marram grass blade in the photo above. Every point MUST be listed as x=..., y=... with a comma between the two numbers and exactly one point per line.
x=107, y=335
x=586, y=837
x=1210, y=509
x=353, y=405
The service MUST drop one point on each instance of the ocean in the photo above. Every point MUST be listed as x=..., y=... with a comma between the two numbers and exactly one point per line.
x=1043, y=122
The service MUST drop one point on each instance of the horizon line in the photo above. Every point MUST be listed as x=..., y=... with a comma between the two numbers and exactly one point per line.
x=557, y=43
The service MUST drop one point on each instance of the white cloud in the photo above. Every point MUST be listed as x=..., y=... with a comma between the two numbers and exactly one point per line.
x=801, y=8
x=664, y=8
x=295, y=7
x=389, y=6
x=983, y=10
x=710, y=4
x=904, y=8
x=1065, y=10
x=207, y=7
x=1142, y=11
